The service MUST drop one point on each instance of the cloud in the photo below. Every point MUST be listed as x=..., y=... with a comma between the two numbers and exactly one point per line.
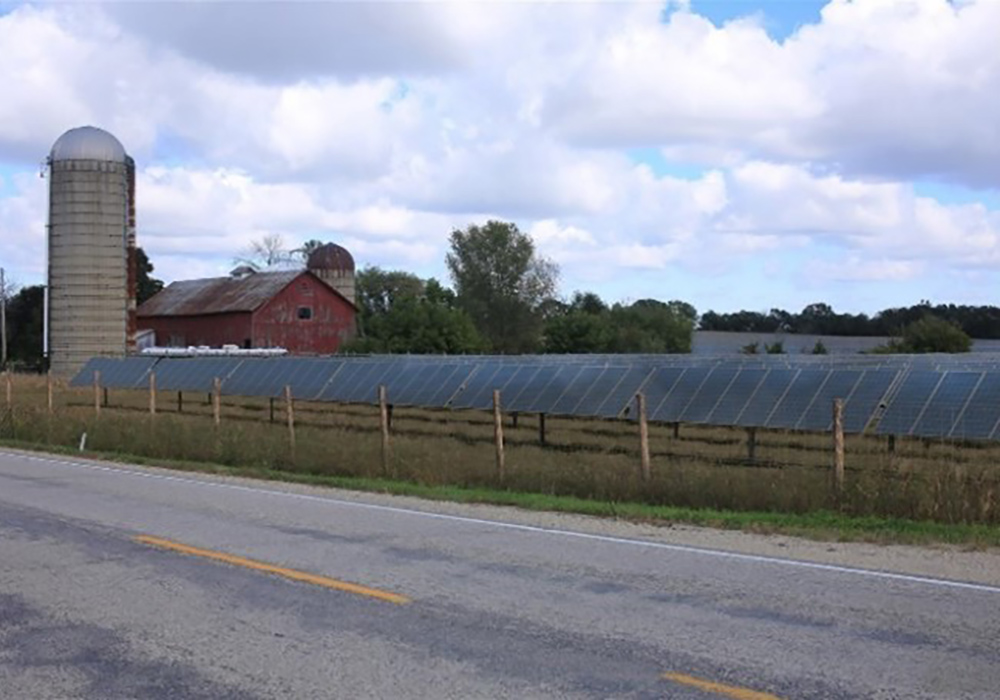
x=857, y=269
x=243, y=123
x=899, y=89
x=22, y=228
x=287, y=42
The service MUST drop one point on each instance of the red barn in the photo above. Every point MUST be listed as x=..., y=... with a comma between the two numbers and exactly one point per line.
x=295, y=310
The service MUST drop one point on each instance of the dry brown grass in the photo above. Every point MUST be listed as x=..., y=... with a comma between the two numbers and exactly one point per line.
x=704, y=467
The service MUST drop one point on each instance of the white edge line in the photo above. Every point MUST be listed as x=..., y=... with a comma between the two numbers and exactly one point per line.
x=704, y=551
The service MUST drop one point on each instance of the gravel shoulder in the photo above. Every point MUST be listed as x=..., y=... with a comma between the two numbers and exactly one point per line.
x=937, y=561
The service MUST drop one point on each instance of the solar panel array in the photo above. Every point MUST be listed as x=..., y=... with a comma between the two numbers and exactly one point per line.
x=929, y=396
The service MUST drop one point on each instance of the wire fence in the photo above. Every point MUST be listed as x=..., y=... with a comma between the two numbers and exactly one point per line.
x=945, y=478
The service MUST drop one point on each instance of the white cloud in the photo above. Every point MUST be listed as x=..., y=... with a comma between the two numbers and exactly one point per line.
x=22, y=228
x=286, y=42
x=243, y=124
x=902, y=88
x=857, y=269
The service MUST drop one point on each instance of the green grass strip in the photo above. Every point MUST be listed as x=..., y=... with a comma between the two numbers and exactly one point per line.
x=820, y=525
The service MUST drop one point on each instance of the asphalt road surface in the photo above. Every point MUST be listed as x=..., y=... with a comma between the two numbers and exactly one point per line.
x=119, y=582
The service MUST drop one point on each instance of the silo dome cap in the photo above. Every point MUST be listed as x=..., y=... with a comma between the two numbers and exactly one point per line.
x=88, y=143
x=330, y=257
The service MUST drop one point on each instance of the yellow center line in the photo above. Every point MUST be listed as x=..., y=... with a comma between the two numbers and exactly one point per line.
x=277, y=570
x=730, y=691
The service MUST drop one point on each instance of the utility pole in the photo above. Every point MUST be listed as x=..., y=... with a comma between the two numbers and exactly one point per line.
x=3, y=317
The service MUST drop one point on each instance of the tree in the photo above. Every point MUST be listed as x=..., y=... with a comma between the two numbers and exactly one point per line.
x=145, y=285
x=578, y=332
x=502, y=283
x=929, y=334
x=306, y=249
x=651, y=326
x=7, y=289
x=377, y=290
x=265, y=253
x=401, y=313
x=24, y=323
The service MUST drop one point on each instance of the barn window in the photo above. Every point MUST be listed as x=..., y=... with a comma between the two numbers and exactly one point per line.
x=305, y=313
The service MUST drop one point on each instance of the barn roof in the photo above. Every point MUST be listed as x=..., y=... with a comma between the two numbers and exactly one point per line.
x=218, y=295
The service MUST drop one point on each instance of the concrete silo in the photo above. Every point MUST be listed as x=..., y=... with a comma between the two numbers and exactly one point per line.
x=91, y=241
x=334, y=265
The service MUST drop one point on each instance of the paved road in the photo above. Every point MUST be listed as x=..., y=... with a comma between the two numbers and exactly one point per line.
x=496, y=609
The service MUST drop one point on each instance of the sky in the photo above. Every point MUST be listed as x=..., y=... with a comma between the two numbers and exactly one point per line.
x=732, y=154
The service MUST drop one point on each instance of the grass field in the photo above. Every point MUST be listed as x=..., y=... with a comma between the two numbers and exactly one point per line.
x=921, y=491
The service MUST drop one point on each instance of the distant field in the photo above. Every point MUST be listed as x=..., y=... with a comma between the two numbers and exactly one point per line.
x=701, y=467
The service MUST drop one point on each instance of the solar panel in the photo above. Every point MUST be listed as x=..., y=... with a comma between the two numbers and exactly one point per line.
x=946, y=404
x=479, y=392
x=419, y=377
x=577, y=389
x=194, y=373
x=307, y=376
x=334, y=389
x=687, y=385
x=521, y=380
x=981, y=414
x=554, y=390
x=839, y=385
x=602, y=389
x=793, y=404
x=736, y=396
x=449, y=385
x=250, y=378
x=767, y=396
x=861, y=406
x=365, y=390
x=709, y=394
x=908, y=402
x=360, y=387
x=620, y=396
x=116, y=372
x=526, y=399
x=657, y=387
x=268, y=377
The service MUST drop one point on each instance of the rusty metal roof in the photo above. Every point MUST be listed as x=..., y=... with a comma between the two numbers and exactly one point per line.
x=218, y=295
x=331, y=257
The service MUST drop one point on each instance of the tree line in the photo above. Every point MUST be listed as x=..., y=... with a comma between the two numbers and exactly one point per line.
x=820, y=319
x=504, y=299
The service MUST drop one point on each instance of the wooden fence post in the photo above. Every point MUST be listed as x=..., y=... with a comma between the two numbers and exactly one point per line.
x=289, y=408
x=271, y=408
x=645, y=469
x=10, y=388
x=48, y=387
x=152, y=393
x=97, y=392
x=751, y=445
x=180, y=402
x=498, y=435
x=541, y=428
x=383, y=419
x=838, y=449
x=217, y=401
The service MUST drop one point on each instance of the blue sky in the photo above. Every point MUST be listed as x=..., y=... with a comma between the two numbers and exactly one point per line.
x=845, y=152
x=780, y=17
